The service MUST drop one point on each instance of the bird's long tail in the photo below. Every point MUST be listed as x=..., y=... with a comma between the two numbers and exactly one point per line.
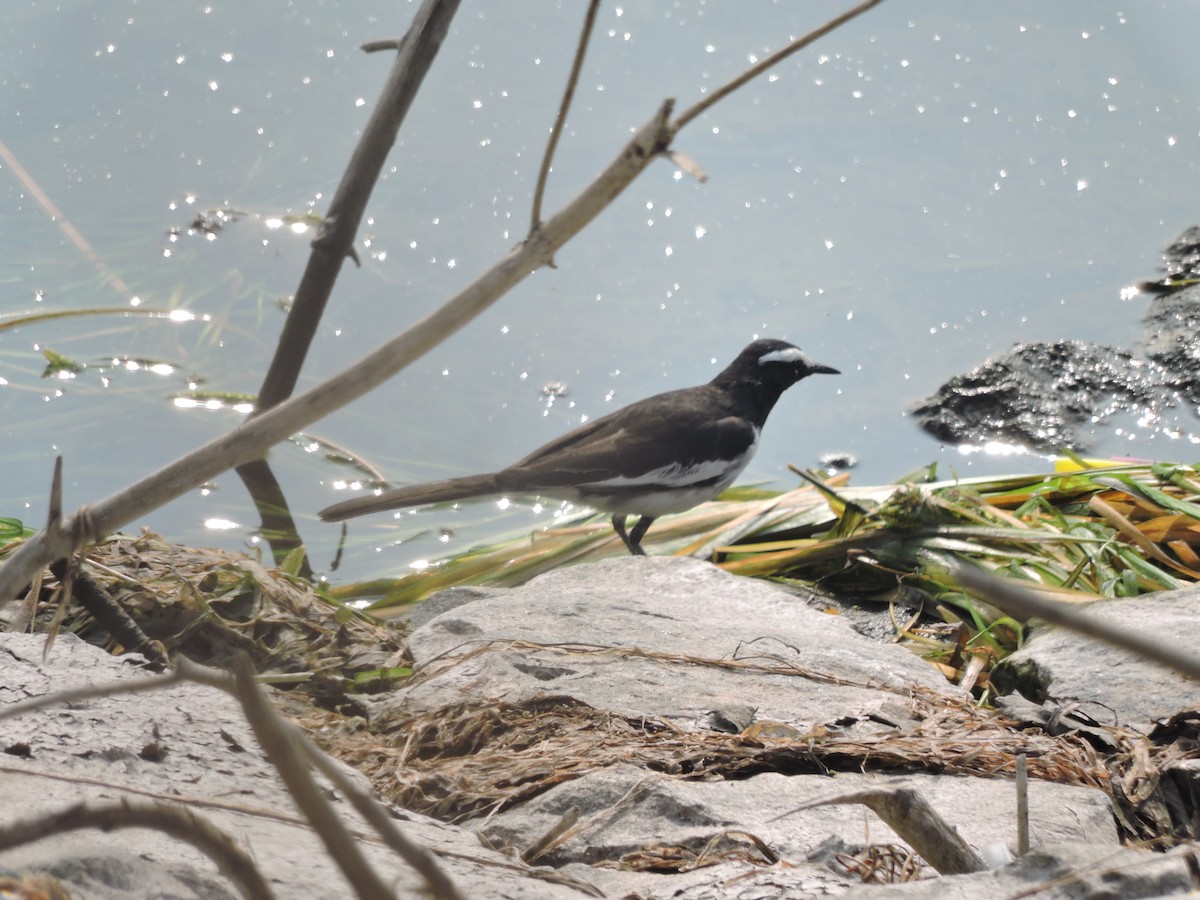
x=416, y=495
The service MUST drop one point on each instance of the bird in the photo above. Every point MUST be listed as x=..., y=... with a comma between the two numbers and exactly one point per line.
x=654, y=457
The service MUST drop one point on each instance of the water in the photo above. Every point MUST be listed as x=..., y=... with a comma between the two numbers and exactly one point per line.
x=914, y=193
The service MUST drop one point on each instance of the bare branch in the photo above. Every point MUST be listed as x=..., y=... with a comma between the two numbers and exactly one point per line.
x=177, y=821
x=415, y=855
x=535, y=219
x=335, y=238
x=911, y=816
x=54, y=516
x=254, y=437
x=758, y=68
x=90, y=692
x=279, y=744
x=383, y=44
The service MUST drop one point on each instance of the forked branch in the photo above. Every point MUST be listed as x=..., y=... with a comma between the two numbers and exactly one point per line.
x=254, y=437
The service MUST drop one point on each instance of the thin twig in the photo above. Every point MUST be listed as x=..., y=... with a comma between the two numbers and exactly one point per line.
x=383, y=44
x=176, y=821
x=1022, y=785
x=589, y=20
x=336, y=235
x=758, y=68
x=90, y=692
x=333, y=243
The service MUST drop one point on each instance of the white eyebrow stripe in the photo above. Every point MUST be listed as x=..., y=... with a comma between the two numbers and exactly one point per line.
x=787, y=355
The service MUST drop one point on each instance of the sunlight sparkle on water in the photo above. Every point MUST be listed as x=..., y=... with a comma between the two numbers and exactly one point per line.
x=994, y=448
x=221, y=524
x=213, y=404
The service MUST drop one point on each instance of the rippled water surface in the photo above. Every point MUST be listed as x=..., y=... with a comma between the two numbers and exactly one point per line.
x=914, y=193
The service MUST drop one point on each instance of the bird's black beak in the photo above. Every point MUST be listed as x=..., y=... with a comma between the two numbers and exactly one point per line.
x=819, y=369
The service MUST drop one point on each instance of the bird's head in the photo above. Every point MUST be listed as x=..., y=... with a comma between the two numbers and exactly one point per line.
x=764, y=370
x=779, y=363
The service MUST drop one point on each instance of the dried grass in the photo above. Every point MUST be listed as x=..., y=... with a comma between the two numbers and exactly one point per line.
x=479, y=756
x=207, y=604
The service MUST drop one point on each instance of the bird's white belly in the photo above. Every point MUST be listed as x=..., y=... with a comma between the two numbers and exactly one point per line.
x=680, y=487
x=658, y=503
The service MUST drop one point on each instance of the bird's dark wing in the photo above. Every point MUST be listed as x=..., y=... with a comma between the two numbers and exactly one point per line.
x=678, y=429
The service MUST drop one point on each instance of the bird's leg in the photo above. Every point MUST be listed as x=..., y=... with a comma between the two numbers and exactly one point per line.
x=618, y=523
x=633, y=540
x=637, y=533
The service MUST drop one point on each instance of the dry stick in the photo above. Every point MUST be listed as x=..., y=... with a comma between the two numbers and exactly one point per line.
x=176, y=821
x=287, y=751
x=535, y=219
x=283, y=751
x=335, y=239
x=106, y=610
x=294, y=748
x=1022, y=785
x=758, y=68
x=333, y=243
x=377, y=816
x=290, y=752
x=92, y=691
x=910, y=815
x=1023, y=603
x=64, y=224
x=253, y=438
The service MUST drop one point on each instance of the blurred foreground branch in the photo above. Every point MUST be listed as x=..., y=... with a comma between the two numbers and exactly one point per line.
x=1025, y=603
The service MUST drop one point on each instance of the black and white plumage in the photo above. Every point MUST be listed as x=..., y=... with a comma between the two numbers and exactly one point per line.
x=661, y=455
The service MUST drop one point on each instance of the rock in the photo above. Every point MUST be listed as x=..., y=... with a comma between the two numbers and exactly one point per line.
x=1063, y=872
x=677, y=641
x=625, y=810
x=1112, y=686
x=116, y=875
x=1041, y=395
x=701, y=710
x=205, y=754
x=618, y=634
x=1172, y=339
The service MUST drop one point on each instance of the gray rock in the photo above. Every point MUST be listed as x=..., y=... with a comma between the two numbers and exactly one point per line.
x=1043, y=395
x=618, y=635
x=204, y=752
x=674, y=639
x=624, y=810
x=1112, y=686
x=1063, y=872
x=1060, y=872
x=724, y=881
x=444, y=601
x=117, y=875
